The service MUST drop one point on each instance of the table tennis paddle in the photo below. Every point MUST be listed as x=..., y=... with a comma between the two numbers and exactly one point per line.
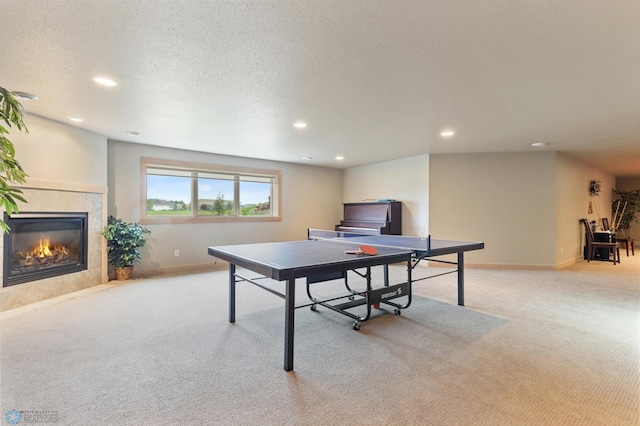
x=364, y=249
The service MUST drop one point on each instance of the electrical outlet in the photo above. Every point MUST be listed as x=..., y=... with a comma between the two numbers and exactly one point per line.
x=176, y=253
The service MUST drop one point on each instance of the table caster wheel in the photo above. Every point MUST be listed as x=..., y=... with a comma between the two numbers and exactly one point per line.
x=356, y=326
x=398, y=312
x=314, y=308
x=351, y=297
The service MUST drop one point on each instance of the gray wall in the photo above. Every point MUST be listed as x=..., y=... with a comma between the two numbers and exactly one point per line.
x=505, y=200
x=405, y=180
x=310, y=199
x=526, y=206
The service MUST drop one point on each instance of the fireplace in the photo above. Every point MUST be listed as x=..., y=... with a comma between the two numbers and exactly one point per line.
x=44, y=245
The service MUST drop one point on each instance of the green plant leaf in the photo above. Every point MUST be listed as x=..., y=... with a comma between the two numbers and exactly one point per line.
x=10, y=170
x=123, y=241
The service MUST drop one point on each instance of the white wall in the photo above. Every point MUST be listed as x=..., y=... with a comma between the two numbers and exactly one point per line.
x=311, y=198
x=405, y=180
x=506, y=200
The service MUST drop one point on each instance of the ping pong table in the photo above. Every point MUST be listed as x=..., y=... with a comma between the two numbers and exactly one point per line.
x=324, y=256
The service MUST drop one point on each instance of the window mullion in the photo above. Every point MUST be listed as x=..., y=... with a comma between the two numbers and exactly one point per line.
x=271, y=185
x=236, y=195
x=194, y=194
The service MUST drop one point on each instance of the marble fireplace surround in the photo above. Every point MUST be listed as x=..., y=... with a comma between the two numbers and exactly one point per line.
x=45, y=196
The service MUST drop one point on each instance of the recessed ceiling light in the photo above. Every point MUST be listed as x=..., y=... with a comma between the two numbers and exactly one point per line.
x=105, y=81
x=75, y=119
x=300, y=125
x=339, y=157
x=24, y=96
x=446, y=133
x=132, y=133
x=307, y=158
x=538, y=144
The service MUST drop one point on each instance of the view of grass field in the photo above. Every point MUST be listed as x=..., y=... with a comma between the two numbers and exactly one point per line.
x=169, y=213
x=262, y=209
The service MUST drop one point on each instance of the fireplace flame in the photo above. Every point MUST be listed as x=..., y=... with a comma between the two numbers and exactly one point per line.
x=43, y=253
x=42, y=249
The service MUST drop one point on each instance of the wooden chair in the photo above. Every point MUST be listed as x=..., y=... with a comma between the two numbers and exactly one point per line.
x=626, y=240
x=593, y=245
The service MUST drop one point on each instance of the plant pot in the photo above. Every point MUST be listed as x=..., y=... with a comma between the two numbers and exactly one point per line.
x=123, y=274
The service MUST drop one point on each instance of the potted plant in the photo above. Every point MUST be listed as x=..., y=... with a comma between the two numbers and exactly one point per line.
x=624, y=208
x=123, y=242
x=10, y=169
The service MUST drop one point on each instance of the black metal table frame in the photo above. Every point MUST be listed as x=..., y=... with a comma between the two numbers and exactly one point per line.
x=370, y=296
x=290, y=283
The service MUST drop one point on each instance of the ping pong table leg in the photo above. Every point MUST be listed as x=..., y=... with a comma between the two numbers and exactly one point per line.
x=386, y=275
x=461, y=278
x=290, y=297
x=232, y=292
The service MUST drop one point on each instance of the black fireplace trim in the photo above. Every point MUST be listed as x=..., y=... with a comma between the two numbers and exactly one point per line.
x=8, y=279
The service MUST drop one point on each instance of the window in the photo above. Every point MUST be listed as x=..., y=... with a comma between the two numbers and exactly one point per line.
x=168, y=193
x=182, y=192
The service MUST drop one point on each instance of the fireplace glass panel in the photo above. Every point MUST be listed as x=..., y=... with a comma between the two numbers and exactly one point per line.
x=43, y=245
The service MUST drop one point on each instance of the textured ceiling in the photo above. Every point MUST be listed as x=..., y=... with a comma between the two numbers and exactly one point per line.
x=374, y=80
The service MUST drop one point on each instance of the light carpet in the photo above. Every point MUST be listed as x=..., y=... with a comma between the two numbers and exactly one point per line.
x=529, y=348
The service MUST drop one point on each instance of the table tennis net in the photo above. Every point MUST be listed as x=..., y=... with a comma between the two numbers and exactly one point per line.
x=395, y=241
